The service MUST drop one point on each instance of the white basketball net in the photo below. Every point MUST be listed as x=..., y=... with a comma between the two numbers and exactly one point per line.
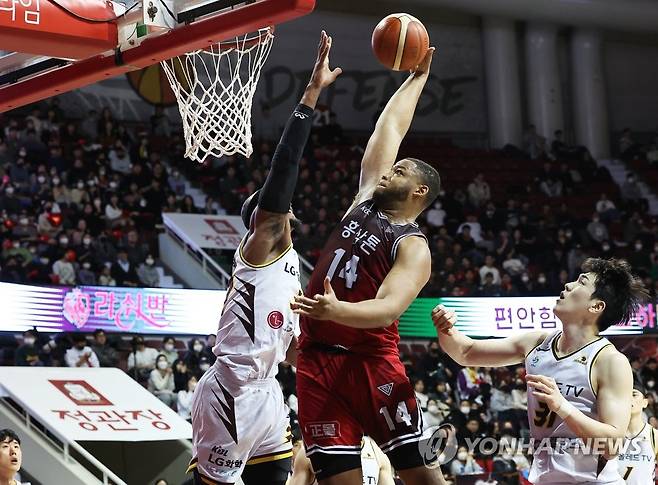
x=215, y=89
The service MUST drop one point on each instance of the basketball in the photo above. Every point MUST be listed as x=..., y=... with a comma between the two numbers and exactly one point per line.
x=400, y=41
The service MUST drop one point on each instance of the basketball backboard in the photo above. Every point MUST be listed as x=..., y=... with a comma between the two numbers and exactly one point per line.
x=53, y=46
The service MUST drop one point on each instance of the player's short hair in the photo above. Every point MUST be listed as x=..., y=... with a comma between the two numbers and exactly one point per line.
x=622, y=292
x=638, y=386
x=9, y=433
x=429, y=176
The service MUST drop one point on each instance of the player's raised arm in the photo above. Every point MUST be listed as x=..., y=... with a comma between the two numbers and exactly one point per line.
x=268, y=236
x=613, y=379
x=481, y=353
x=391, y=128
x=409, y=274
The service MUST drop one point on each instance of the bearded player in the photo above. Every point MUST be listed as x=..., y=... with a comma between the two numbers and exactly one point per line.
x=350, y=380
x=239, y=420
x=637, y=461
x=580, y=386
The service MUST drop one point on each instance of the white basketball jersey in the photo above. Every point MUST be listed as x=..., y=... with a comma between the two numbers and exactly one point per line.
x=369, y=463
x=637, y=463
x=257, y=323
x=566, y=463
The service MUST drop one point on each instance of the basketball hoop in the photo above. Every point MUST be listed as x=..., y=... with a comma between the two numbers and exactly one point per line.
x=215, y=88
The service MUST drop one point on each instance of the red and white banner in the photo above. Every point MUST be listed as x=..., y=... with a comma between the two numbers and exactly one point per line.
x=84, y=404
x=206, y=231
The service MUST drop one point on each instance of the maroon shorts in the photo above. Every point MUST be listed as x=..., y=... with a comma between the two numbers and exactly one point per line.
x=343, y=396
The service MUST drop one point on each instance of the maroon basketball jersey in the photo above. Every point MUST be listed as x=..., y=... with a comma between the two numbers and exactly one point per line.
x=357, y=257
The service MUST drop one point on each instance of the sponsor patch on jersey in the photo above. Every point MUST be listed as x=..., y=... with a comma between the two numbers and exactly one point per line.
x=275, y=319
x=534, y=361
x=386, y=388
x=326, y=429
x=581, y=360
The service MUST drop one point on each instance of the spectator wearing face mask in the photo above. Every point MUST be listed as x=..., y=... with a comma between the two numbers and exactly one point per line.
x=105, y=278
x=181, y=375
x=161, y=381
x=80, y=355
x=436, y=413
x=86, y=276
x=204, y=365
x=148, y=274
x=141, y=360
x=27, y=354
x=64, y=269
x=169, y=349
x=193, y=355
x=184, y=399
x=650, y=373
x=464, y=463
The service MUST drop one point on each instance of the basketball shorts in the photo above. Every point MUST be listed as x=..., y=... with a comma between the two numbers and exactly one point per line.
x=343, y=396
x=237, y=423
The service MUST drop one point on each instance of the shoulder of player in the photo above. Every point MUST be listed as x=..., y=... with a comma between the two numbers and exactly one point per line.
x=609, y=366
x=413, y=247
x=529, y=341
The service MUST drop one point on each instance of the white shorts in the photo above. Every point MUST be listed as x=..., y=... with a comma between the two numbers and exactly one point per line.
x=237, y=423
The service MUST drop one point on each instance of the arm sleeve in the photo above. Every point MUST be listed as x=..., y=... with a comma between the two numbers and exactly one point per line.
x=279, y=188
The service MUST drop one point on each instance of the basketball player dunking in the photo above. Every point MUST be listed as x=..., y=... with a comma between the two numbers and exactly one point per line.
x=350, y=380
x=239, y=421
x=637, y=461
x=580, y=386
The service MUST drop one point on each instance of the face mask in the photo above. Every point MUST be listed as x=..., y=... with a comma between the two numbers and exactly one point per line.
x=169, y=347
x=204, y=367
x=605, y=247
x=465, y=409
x=541, y=280
x=162, y=365
x=437, y=205
x=198, y=347
x=101, y=171
x=9, y=190
x=41, y=179
x=91, y=183
x=596, y=219
x=33, y=250
x=113, y=185
x=28, y=341
x=433, y=408
x=525, y=278
x=86, y=265
x=490, y=213
x=23, y=221
x=142, y=203
x=86, y=241
x=64, y=241
x=81, y=185
x=462, y=455
x=650, y=384
x=17, y=245
x=638, y=247
x=56, y=181
x=149, y=262
x=45, y=260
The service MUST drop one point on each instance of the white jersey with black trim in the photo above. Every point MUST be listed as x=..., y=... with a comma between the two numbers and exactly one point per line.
x=560, y=457
x=369, y=463
x=257, y=324
x=637, y=461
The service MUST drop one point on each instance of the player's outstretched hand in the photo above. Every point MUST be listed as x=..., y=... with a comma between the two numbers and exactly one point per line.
x=323, y=75
x=320, y=307
x=443, y=319
x=545, y=390
x=424, y=66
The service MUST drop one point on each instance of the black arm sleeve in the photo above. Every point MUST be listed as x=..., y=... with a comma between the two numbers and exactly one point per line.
x=279, y=188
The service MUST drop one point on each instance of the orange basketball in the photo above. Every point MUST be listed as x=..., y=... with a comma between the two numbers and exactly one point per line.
x=400, y=41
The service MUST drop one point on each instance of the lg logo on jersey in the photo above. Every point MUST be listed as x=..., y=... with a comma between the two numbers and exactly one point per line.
x=290, y=269
x=275, y=319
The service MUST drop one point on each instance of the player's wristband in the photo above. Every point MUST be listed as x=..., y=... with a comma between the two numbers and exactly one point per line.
x=565, y=409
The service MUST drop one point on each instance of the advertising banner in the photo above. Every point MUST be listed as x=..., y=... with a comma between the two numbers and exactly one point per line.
x=503, y=317
x=113, y=309
x=203, y=231
x=101, y=404
x=196, y=312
